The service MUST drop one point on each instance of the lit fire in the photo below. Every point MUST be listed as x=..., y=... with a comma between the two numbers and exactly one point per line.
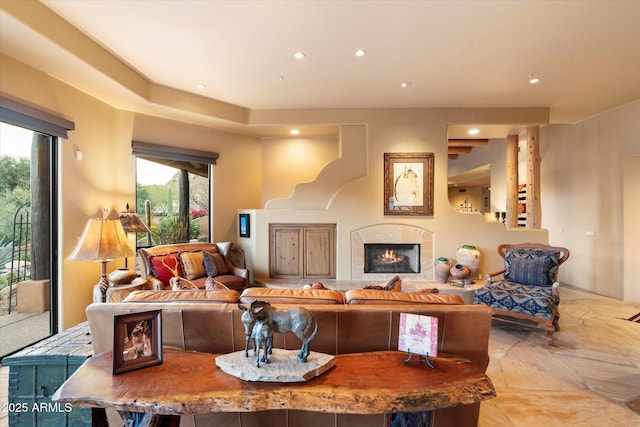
x=389, y=255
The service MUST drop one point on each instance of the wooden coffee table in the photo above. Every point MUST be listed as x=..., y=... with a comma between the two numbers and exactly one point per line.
x=189, y=382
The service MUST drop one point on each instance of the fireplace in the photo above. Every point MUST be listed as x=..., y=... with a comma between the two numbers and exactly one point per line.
x=391, y=258
x=406, y=240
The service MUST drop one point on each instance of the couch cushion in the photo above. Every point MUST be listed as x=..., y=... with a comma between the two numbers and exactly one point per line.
x=538, y=301
x=291, y=296
x=229, y=280
x=166, y=266
x=192, y=264
x=214, y=264
x=531, y=267
x=373, y=296
x=218, y=295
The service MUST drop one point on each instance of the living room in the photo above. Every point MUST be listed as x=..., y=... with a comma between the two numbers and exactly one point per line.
x=588, y=168
x=579, y=193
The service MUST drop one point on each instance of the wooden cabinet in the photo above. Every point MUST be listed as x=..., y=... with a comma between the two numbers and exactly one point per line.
x=302, y=251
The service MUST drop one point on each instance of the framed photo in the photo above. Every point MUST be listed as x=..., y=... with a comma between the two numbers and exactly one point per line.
x=137, y=341
x=408, y=184
x=243, y=223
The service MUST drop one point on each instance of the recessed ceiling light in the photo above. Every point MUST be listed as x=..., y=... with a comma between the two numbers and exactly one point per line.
x=294, y=132
x=299, y=55
x=361, y=52
x=474, y=131
x=201, y=86
x=405, y=84
x=533, y=79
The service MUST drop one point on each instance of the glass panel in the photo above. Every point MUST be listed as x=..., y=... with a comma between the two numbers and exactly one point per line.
x=392, y=258
x=25, y=237
x=167, y=198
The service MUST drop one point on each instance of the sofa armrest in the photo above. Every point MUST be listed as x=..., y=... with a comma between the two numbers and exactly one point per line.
x=240, y=272
x=156, y=284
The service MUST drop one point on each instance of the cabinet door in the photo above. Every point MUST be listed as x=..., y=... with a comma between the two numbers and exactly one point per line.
x=319, y=251
x=286, y=254
x=302, y=251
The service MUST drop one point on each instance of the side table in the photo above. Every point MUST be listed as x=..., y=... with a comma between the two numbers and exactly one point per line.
x=189, y=382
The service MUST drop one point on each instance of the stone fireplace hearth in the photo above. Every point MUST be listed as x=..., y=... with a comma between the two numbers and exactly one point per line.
x=400, y=235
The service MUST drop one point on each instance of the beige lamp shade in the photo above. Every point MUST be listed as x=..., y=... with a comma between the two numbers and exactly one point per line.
x=102, y=240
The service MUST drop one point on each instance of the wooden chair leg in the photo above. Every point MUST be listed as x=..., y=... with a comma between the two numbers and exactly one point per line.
x=551, y=326
x=550, y=331
x=556, y=320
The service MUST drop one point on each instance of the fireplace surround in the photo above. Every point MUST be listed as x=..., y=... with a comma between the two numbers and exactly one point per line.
x=401, y=235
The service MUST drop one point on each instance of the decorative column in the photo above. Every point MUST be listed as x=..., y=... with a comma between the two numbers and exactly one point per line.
x=511, y=220
x=534, y=214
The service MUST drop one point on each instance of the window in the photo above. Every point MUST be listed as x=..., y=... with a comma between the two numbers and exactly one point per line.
x=173, y=194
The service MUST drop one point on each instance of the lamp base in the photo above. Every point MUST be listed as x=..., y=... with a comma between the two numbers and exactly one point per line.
x=103, y=284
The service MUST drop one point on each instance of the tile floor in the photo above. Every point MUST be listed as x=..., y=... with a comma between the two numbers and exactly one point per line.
x=590, y=378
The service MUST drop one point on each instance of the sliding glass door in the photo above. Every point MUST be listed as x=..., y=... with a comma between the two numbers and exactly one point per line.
x=27, y=237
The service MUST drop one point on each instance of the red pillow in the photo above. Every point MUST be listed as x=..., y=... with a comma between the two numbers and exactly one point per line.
x=166, y=266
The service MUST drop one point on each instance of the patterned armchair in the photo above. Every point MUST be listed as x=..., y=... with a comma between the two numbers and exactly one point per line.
x=528, y=290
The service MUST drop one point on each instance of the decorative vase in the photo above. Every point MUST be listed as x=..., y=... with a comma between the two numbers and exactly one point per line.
x=460, y=272
x=442, y=267
x=469, y=256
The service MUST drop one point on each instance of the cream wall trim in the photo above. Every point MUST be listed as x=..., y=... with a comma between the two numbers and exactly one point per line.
x=351, y=164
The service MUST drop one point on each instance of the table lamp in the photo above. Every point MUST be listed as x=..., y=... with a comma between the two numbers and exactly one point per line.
x=103, y=240
x=131, y=223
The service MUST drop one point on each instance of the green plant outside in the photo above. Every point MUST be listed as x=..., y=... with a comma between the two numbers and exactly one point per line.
x=167, y=230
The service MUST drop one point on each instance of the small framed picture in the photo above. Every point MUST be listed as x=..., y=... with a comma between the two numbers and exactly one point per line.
x=243, y=223
x=137, y=341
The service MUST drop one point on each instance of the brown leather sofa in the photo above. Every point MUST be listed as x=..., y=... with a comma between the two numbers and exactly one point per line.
x=209, y=321
x=233, y=278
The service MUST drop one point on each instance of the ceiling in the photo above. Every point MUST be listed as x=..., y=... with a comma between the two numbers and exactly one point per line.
x=453, y=53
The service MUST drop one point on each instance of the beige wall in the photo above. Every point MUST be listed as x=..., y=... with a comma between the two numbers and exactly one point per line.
x=105, y=177
x=582, y=180
x=236, y=175
x=582, y=191
x=359, y=203
x=289, y=161
x=473, y=195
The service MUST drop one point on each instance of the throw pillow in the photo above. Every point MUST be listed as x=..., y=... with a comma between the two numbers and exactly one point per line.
x=532, y=269
x=211, y=284
x=192, y=264
x=181, y=284
x=166, y=266
x=394, y=284
x=214, y=264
